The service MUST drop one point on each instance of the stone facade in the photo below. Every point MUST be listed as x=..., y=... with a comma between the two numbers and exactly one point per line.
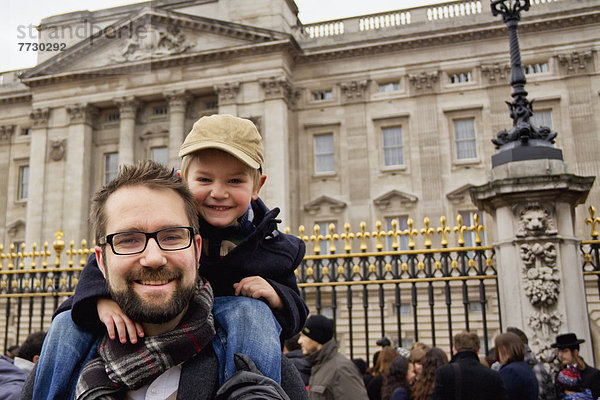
x=432, y=80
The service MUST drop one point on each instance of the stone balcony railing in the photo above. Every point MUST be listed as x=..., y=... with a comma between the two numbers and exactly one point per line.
x=418, y=16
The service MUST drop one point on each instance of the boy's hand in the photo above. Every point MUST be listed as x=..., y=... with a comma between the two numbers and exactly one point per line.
x=257, y=287
x=111, y=314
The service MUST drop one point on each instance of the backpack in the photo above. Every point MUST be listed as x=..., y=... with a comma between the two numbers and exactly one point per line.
x=249, y=384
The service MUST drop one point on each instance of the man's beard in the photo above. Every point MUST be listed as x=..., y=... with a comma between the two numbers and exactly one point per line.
x=139, y=310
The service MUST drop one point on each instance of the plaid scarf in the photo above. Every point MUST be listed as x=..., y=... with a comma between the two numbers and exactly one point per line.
x=123, y=367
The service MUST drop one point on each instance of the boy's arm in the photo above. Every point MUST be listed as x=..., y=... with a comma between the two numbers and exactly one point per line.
x=91, y=288
x=292, y=315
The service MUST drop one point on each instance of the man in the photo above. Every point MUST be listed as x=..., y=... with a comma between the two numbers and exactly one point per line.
x=546, y=389
x=29, y=351
x=568, y=354
x=145, y=223
x=333, y=376
x=465, y=378
x=11, y=379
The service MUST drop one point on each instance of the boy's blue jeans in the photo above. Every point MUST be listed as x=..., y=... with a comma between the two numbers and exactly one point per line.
x=248, y=326
x=66, y=349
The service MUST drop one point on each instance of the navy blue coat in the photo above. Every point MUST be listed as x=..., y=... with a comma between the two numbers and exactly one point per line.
x=520, y=381
x=266, y=252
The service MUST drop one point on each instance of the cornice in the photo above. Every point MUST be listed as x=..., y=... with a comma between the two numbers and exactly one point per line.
x=16, y=98
x=460, y=34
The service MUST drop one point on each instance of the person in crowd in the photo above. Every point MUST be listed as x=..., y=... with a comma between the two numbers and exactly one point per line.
x=568, y=385
x=145, y=223
x=465, y=378
x=29, y=351
x=517, y=376
x=293, y=351
x=434, y=358
x=398, y=381
x=387, y=355
x=248, y=261
x=568, y=354
x=12, y=379
x=417, y=354
x=12, y=350
x=546, y=390
x=333, y=376
x=363, y=368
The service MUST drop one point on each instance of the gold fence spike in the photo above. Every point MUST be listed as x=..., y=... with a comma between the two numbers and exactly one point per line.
x=477, y=228
x=59, y=246
x=460, y=228
x=427, y=231
x=70, y=252
x=411, y=233
x=593, y=221
x=34, y=255
x=11, y=256
x=45, y=255
x=347, y=236
x=316, y=238
x=83, y=252
x=332, y=237
x=444, y=230
x=378, y=234
x=22, y=254
x=363, y=235
x=287, y=230
x=394, y=233
x=301, y=235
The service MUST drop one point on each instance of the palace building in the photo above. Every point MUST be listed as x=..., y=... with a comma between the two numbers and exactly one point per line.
x=372, y=118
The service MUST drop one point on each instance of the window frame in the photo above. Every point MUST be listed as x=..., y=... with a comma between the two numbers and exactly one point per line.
x=315, y=155
x=105, y=155
x=389, y=122
x=401, y=165
x=473, y=113
x=22, y=186
x=160, y=147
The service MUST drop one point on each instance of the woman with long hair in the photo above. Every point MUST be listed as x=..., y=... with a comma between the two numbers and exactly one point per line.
x=387, y=355
x=519, y=379
x=434, y=358
x=398, y=380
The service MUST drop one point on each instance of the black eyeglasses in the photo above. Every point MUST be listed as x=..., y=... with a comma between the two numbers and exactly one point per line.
x=134, y=242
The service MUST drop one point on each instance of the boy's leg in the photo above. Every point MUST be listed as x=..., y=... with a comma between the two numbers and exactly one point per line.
x=246, y=326
x=65, y=351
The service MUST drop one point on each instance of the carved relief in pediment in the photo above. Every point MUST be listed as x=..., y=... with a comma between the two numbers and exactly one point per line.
x=155, y=41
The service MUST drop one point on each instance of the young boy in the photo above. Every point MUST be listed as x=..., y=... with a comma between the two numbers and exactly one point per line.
x=249, y=263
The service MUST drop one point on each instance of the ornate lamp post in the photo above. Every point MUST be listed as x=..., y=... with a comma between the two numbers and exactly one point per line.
x=524, y=141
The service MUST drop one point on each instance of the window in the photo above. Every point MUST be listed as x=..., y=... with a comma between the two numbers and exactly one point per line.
x=321, y=95
x=23, y=183
x=160, y=110
x=467, y=217
x=211, y=105
x=389, y=87
x=111, y=167
x=464, y=137
x=324, y=153
x=25, y=131
x=536, y=68
x=159, y=154
x=402, y=225
x=461, y=77
x=542, y=118
x=113, y=116
x=392, y=145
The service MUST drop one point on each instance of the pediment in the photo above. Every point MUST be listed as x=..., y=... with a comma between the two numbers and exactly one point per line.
x=315, y=206
x=385, y=200
x=14, y=228
x=458, y=195
x=152, y=35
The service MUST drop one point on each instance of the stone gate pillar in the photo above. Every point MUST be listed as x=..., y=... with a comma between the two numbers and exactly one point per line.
x=540, y=278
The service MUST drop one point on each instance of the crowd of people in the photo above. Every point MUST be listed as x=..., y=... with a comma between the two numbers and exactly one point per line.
x=191, y=291
x=509, y=372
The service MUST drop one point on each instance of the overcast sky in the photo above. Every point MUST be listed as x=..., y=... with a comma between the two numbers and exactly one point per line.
x=17, y=14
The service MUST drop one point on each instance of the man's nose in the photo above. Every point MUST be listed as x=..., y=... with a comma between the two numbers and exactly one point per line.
x=153, y=256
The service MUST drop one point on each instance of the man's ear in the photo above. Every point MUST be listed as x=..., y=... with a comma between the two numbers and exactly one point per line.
x=198, y=241
x=261, y=182
x=100, y=260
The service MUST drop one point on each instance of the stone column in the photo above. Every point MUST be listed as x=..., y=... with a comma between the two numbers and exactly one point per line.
x=6, y=134
x=128, y=107
x=78, y=168
x=178, y=100
x=37, y=176
x=228, y=93
x=278, y=92
x=537, y=254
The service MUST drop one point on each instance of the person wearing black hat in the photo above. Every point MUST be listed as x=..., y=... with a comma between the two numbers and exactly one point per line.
x=333, y=375
x=568, y=354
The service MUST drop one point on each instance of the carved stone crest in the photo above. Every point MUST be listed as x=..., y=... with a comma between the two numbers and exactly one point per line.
x=153, y=42
x=57, y=149
x=535, y=220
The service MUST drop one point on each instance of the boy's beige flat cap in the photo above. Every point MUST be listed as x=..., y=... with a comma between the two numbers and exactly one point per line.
x=236, y=136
